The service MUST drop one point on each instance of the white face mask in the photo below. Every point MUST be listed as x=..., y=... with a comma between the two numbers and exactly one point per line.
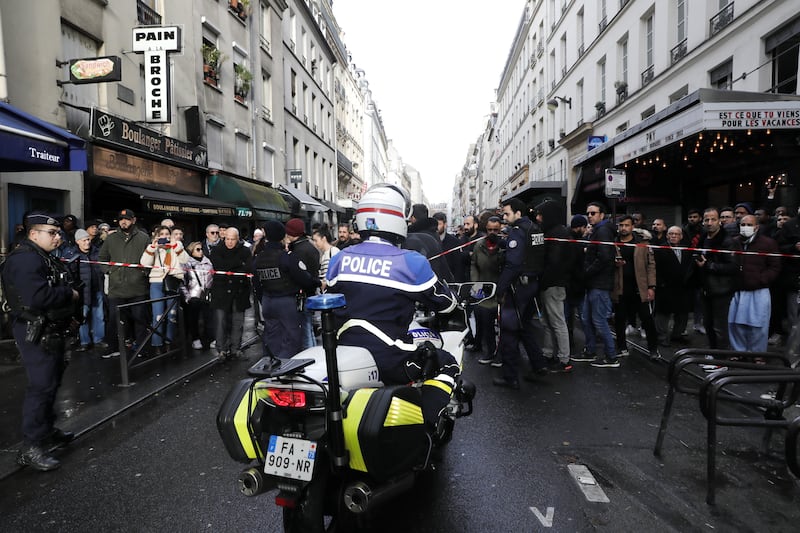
x=747, y=231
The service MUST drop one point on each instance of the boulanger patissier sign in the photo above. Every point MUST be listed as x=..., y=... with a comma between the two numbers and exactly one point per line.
x=116, y=130
x=156, y=42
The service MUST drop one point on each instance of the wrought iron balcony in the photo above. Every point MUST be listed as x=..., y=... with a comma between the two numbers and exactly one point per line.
x=581, y=50
x=602, y=24
x=147, y=15
x=678, y=52
x=720, y=20
x=648, y=75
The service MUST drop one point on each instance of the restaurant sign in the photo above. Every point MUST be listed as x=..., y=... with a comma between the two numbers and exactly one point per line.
x=118, y=131
x=146, y=172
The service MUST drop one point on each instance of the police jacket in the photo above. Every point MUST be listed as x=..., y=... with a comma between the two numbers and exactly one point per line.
x=121, y=247
x=524, y=253
x=35, y=284
x=381, y=284
x=230, y=290
x=598, y=263
x=280, y=273
x=307, y=253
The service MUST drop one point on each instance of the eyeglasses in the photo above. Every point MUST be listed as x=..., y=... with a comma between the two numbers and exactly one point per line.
x=749, y=225
x=52, y=232
x=214, y=232
x=197, y=250
x=592, y=213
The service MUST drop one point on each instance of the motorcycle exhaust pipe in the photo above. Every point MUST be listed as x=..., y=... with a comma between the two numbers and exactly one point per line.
x=252, y=482
x=360, y=497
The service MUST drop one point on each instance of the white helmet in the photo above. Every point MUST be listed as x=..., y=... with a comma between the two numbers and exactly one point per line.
x=383, y=211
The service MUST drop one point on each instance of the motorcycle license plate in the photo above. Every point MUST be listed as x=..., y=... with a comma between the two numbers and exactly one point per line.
x=290, y=458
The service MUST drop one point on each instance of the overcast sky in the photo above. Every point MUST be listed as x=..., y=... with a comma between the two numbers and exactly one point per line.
x=433, y=67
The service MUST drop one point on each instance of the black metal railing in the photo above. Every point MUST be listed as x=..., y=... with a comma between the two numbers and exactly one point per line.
x=146, y=14
x=678, y=52
x=648, y=75
x=602, y=24
x=720, y=20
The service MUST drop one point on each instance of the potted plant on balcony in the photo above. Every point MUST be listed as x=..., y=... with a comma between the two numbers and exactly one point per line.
x=242, y=81
x=243, y=9
x=621, y=87
x=212, y=59
x=601, y=108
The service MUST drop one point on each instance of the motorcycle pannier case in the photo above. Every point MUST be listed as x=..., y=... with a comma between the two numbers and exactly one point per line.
x=384, y=431
x=233, y=421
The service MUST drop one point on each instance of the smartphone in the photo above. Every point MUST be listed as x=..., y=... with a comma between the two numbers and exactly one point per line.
x=163, y=240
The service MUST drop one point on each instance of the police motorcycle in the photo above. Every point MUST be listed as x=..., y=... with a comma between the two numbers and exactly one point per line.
x=336, y=457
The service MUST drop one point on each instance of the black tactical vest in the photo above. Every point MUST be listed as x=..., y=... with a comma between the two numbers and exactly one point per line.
x=273, y=280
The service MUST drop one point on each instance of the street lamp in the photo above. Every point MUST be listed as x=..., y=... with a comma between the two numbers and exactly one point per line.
x=552, y=104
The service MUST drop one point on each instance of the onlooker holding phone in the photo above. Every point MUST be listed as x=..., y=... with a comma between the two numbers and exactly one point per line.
x=167, y=259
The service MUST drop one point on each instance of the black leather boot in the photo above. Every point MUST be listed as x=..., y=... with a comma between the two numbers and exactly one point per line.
x=37, y=457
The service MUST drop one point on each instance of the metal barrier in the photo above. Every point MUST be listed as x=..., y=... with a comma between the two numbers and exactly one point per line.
x=772, y=416
x=792, y=433
x=697, y=356
x=134, y=361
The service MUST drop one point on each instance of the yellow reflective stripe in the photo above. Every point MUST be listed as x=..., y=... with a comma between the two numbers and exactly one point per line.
x=355, y=410
x=241, y=421
x=403, y=413
x=438, y=384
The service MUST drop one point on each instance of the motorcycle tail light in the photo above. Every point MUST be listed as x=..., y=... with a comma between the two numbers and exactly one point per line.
x=288, y=398
x=284, y=501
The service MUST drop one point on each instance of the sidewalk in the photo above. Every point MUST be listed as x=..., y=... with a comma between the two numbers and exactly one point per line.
x=91, y=392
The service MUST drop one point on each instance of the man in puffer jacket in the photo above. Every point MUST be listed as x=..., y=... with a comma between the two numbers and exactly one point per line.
x=125, y=284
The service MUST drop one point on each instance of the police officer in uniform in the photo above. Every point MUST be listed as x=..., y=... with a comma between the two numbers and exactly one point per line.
x=42, y=301
x=280, y=277
x=517, y=289
x=381, y=283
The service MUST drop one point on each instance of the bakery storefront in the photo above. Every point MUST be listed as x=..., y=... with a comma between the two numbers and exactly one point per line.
x=712, y=147
x=154, y=175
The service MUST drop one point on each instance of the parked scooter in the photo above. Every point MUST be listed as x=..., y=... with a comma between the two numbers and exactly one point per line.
x=334, y=458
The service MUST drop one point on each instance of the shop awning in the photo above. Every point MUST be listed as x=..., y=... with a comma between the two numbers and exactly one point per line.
x=307, y=202
x=333, y=206
x=250, y=199
x=28, y=143
x=170, y=202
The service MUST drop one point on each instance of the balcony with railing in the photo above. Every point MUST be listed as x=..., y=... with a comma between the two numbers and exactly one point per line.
x=539, y=49
x=719, y=21
x=581, y=49
x=540, y=148
x=678, y=52
x=533, y=154
x=602, y=24
x=147, y=15
x=648, y=75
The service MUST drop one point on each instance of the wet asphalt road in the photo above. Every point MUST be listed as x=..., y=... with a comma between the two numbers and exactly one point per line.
x=162, y=467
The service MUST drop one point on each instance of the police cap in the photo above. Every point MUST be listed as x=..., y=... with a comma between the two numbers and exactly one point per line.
x=41, y=219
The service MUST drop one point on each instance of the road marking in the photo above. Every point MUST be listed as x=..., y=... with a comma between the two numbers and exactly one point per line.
x=586, y=482
x=546, y=520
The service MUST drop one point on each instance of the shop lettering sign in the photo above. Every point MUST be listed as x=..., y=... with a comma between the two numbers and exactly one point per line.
x=156, y=43
x=163, y=207
x=118, y=131
x=147, y=172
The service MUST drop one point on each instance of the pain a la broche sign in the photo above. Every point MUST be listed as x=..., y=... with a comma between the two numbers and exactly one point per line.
x=156, y=42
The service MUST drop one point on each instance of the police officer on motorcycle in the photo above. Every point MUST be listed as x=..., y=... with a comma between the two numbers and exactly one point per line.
x=43, y=301
x=381, y=283
x=517, y=289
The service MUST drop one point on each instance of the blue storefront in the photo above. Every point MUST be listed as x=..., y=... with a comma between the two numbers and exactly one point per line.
x=40, y=169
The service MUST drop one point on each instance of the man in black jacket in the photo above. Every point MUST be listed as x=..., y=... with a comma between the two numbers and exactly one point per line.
x=718, y=271
x=599, y=272
x=553, y=285
x=674, y=268
x=230, y=293
x=422, y=238
x=449, y=242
